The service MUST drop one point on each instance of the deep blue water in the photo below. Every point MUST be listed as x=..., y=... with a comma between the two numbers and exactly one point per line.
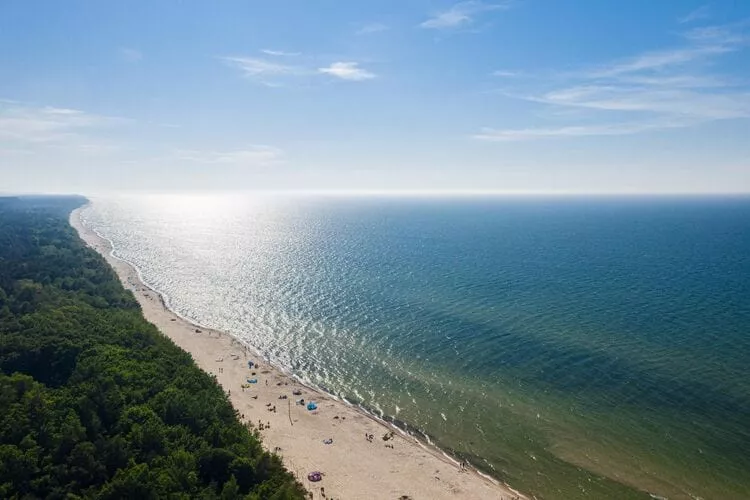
x=569, y=346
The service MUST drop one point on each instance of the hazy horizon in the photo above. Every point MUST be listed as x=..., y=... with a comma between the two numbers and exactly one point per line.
x=381, y=194
x=92, y=196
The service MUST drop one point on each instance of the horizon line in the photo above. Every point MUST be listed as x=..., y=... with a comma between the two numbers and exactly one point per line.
x=416, y=193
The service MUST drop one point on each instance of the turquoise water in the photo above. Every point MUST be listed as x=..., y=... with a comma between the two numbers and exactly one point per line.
x=576, y=348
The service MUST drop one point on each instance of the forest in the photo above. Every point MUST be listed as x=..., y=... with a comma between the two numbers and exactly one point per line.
x=95, y=401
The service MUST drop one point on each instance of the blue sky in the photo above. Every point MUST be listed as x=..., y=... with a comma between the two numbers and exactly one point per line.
x=561, y=96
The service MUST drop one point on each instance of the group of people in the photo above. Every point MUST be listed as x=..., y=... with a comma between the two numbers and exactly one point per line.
x=262, y=426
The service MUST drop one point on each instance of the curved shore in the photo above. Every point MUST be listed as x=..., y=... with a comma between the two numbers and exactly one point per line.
x=353, y=466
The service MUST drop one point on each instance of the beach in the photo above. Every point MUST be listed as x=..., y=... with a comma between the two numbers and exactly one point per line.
x=358, y=456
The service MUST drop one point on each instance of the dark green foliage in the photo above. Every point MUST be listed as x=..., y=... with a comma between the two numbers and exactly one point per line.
x=94, y=401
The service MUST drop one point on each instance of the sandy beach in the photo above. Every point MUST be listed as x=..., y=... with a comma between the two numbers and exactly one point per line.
x=358, y=456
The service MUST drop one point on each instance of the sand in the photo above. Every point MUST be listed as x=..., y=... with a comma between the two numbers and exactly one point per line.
x=353, y=467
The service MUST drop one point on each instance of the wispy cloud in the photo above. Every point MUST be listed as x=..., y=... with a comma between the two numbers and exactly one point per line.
x=280, y=53
x=254, y=67
x=46, y=125
x=698, y=14
x=506, y=73
x=33, y=130
x=461, y=14
x=131, y=55
x=510, y=135
x=667, y=101
x=251, y=156
x=269, y=72
x=263, y=71
x=702, y=43
x=347, y=71
x=679, y=81
x=369, y=29
x=651, y=91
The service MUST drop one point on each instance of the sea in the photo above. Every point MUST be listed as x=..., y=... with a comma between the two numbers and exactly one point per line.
x=573, y=347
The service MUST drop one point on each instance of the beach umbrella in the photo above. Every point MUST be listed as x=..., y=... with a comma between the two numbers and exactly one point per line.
x=315, y=476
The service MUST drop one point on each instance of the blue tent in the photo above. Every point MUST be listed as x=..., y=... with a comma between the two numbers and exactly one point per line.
x=312, y=406
x=252, y=381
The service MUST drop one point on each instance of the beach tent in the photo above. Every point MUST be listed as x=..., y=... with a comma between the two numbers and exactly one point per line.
x=252, y=381
x=311, y=406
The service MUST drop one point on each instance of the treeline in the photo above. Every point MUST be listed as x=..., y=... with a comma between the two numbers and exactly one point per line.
x=94, y=401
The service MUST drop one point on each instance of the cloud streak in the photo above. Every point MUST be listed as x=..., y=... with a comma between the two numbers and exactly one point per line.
x=270, y=72
x=253, y=67
x=347, y=71
x=31, y=130
x=46, y=125
x=461, y=14
x=652, y=91
x=251, y=156
x=677, y=102
x=512, y=135
x=698, y=14
x=506, y=74
x=280, y=53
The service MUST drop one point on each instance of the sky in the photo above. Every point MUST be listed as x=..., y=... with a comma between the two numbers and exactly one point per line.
x=518, y=96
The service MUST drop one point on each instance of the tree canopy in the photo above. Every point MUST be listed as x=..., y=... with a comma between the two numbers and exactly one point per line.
x=96, y=402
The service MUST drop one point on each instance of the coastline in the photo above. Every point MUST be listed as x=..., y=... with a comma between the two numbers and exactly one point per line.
x=352, y=465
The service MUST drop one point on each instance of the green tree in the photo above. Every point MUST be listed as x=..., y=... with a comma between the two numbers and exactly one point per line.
x=230, y=491
x=96, y=403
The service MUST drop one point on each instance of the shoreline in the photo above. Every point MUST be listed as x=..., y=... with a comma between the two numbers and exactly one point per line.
x=391, y=463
